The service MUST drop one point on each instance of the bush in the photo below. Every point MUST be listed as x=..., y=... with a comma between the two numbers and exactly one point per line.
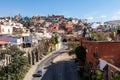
x=45, y=53
x=71, y=52
x=18, y=67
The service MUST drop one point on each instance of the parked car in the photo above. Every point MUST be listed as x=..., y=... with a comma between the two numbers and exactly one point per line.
x=38, y=74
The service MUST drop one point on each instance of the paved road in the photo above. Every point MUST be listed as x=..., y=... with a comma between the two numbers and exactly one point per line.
x=48, y=61
x=64, y=70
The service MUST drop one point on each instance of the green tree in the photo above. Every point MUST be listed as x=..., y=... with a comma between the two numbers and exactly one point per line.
x=18, y=67
x=116, y=76
x=99, y=75
x=99, y=36
x=54, y=39
x=112, y=36
x=84, y=32
x=118, y=27
x=72, y=46
x=80, y=52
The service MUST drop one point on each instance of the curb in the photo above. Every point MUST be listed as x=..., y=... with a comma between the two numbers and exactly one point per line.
x=34, y=67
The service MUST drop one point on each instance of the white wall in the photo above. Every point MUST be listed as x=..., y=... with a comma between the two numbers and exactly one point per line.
x=74, y=21
x=6, y=29
x=19, y=41
x=27, y=38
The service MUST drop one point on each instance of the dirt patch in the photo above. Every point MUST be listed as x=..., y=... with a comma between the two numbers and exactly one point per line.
x=62, y=57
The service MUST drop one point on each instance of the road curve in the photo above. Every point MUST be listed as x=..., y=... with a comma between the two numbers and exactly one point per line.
x=62, y=70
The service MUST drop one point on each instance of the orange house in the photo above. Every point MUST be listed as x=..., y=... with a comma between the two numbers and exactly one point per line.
x=69, y=25
x=54, y=27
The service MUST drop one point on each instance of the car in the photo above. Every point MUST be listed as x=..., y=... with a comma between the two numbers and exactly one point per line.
x=38, y=74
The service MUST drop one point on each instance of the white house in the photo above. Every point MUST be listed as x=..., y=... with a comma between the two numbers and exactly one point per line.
x=95, y=25
x=75, y=21
x=7, y=28
x=27, y=39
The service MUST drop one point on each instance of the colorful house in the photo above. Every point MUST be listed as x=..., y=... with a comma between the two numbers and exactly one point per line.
x=69, y=26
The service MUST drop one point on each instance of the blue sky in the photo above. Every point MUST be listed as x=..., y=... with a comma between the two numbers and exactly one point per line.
x=94, y=10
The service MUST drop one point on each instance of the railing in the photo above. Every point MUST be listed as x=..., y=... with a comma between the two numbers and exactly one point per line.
x=103, y=61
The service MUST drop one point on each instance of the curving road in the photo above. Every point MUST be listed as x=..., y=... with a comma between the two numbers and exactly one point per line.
x=63, y=70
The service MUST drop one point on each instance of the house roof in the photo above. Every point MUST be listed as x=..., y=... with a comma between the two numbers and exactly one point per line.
x=8, y=38
x=4, y=42
x=25, y=18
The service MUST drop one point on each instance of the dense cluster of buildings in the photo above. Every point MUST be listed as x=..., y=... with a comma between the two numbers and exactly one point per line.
x=27, y=32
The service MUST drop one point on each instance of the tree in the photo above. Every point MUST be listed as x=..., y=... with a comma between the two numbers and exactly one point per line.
x=99, y=75
x=80, y=52
x=112, y=36
x=84, y=32
x=54, y=39
x=18, y=67
x=116, y=76
x=44, y=46
x=99, y=36
x=118, y=27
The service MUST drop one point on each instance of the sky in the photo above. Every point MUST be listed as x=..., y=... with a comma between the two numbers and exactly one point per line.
x=93, y=10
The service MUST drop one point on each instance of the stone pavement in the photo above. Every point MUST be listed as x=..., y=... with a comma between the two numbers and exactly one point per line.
x=34, y=67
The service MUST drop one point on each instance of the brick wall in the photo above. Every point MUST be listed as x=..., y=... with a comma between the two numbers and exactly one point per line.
x=105, y=50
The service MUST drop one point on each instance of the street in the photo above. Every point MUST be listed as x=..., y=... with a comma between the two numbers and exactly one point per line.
x=62, y=70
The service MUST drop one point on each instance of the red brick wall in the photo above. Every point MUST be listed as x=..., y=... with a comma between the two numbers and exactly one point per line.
x=91, y=49
x=109, y=48
x=105, y=50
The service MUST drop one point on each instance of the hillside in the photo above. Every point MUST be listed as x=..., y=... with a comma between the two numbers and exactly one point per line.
x=114, y=22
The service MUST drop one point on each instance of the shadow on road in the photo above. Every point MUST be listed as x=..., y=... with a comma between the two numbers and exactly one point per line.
x=62, y=70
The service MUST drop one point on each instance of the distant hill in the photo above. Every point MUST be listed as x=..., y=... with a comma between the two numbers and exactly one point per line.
x=114, y=22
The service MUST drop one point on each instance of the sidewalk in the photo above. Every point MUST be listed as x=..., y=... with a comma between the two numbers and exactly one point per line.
x=34, y=67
